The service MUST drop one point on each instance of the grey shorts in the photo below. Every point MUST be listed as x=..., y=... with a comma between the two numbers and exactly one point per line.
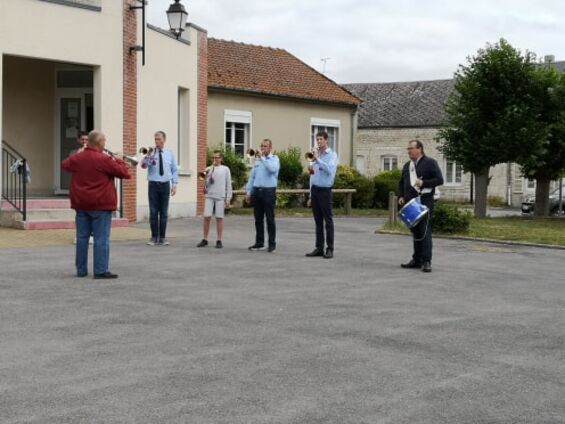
x=214, y=206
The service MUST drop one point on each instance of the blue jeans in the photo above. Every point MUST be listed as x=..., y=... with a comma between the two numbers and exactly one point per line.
x=159, y=194
x=99, y=224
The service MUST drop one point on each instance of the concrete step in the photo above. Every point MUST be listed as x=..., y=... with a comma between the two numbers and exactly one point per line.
x=48, y=203
x=60, y=224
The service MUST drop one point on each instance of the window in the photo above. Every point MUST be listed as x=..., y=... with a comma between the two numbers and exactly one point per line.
x=389, y=162
x=331, y=126
x=238, y=130
x=453, y=173
x=182, y=126
x=85, y=4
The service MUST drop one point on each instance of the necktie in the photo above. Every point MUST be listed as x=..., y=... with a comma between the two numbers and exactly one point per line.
x=161, y=170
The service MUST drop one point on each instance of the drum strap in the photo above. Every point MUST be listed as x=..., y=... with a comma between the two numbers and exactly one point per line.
x=414, y=177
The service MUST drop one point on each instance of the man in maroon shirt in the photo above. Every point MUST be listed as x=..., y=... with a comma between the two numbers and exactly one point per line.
x=93, y=196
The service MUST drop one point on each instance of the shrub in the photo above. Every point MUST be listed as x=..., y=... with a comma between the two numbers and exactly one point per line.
x=385, y=182
x=291, y=166
x=450, y=219
x=344, y=178
x=496, y=201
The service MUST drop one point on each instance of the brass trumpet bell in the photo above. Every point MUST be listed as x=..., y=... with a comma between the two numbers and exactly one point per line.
x=202, y=175
x=309, y=156
x=146, y=150
x=251, y=154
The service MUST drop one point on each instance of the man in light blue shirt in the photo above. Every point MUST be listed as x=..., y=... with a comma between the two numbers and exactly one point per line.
x=261, y=193
x=322, y=176
x=162, y=174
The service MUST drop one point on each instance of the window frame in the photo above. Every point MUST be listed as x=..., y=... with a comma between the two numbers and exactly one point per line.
x=454, y=167
x=238, y=117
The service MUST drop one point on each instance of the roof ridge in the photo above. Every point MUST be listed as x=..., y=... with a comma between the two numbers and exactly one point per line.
x=244, y=44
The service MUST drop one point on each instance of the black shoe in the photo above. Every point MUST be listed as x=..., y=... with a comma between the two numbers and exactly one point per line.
x=427, y=267
x=329, y=253
x=203, y=243
x=106, y=276
x=272, y=249
x=257, y=247
x=82, y=274
x=411, y=264
x=315, y=252
x=219, y=244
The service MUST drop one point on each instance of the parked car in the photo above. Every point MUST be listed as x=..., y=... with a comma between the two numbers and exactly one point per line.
x=530, y=201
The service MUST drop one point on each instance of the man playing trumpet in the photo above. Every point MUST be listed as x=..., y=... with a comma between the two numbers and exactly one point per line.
x=322, y=175
x=162, y=174
x=261, y=193
x=218, y=193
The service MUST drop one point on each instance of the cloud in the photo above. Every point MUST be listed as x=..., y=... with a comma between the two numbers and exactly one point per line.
x=381, y=40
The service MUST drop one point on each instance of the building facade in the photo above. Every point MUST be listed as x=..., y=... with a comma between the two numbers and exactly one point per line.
x=257, y=92
x=76, y=67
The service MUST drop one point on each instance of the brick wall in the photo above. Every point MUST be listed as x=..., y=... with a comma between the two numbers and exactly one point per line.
x=202, y=138
x=130, y=107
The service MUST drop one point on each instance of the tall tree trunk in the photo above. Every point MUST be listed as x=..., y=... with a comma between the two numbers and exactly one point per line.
x=481, y=190
x=541, y=207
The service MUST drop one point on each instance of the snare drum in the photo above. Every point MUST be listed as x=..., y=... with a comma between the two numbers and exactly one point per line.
x=413, y=212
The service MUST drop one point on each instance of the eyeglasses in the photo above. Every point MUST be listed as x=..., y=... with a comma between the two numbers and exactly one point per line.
x=217, y=157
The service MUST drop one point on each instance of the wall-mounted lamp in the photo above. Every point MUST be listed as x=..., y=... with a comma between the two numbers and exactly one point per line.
x=138, y=48
x=177, y=16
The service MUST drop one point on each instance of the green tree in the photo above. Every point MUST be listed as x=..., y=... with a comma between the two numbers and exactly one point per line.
x=492, y=117
x=546, y=162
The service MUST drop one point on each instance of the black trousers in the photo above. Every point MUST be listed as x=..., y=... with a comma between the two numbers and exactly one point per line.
x=264, y=207
x=422, y=233
x=322, y=209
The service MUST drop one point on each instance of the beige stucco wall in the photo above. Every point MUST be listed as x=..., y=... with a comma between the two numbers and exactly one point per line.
x=170, y=64
x=286, y=122
x=372, y=144
x=28, y=119
x=57, y=33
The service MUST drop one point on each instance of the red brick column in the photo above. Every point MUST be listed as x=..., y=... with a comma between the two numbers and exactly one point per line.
x=130, y=107
x=202, y=125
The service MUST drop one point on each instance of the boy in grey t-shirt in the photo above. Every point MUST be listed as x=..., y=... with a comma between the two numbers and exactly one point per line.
x=218, y=191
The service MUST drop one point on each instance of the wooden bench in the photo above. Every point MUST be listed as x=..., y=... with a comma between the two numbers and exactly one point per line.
x=347, y=191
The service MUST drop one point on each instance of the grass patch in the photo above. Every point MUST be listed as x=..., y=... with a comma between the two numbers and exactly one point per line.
x=526, y=230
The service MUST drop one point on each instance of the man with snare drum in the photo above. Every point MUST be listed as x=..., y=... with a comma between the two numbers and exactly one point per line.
x=420, y=176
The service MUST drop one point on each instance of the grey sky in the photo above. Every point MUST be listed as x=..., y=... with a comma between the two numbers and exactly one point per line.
x=380, y=40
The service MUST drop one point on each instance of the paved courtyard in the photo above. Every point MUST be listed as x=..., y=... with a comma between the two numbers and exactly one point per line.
x=190, y=335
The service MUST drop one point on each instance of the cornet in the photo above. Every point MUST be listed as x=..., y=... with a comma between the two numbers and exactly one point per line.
x=253, y=154
x=146, y=150
x=202, y=175
x=131, y=159
x=311, y=154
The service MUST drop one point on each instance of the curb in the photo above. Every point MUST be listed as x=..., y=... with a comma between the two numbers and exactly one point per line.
x=482, y=240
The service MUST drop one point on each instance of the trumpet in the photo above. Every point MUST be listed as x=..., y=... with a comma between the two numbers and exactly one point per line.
x=311, y=154
x=131, y=159
x=253, y=154
x=146, y=150
x=202, y=175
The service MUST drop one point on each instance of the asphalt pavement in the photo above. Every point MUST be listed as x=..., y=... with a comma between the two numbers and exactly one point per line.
x=206, y=335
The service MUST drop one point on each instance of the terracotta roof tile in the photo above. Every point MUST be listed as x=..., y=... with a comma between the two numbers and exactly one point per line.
x=266, y=70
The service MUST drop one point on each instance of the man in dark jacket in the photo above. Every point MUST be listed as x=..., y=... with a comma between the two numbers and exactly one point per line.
x=93, y=196
x=420, y=176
